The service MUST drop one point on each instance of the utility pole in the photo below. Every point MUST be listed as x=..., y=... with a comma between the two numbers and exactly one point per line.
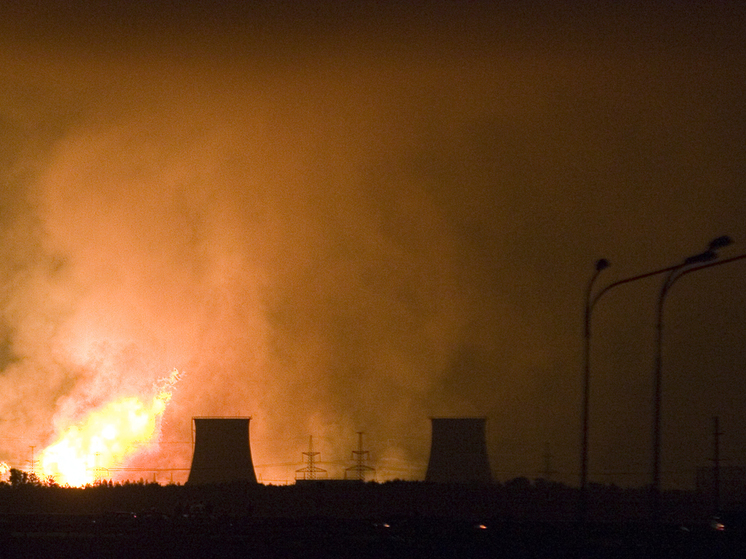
x=310, y=471
x=360, y=456
x=716, y=463
x=311, y=459
x=96, y=470
x=548, y=471
x=32, y=462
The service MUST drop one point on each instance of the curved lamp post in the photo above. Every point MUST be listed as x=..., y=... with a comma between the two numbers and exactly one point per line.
x=688, y=265
x=601, y=265
x=590, y=303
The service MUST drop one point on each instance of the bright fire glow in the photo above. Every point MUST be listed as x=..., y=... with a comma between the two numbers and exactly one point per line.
x=84, y=452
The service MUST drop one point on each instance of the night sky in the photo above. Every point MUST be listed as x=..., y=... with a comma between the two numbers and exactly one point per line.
x=342, y=217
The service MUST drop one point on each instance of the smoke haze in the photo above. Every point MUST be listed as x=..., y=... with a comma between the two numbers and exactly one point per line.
x=353, y=219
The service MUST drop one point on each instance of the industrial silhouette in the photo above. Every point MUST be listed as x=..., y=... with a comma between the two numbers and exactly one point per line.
x=360, y=469
x=221, y=451
x=311, y=471
x=458, y=451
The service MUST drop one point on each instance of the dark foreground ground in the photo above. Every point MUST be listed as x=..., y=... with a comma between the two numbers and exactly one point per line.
x=412, y=520
x=155, y=535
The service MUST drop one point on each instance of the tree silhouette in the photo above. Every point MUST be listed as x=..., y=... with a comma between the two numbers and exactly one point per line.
x=20, y=478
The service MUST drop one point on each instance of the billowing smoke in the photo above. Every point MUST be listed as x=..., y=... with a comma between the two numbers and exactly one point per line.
x=342, y=226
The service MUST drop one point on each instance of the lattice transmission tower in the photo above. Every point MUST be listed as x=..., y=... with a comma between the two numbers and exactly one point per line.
x=360, y=469
x=311, y=471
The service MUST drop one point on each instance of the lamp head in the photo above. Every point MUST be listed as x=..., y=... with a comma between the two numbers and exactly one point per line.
x=702, y=257
x=720, y=242
x=602, y=264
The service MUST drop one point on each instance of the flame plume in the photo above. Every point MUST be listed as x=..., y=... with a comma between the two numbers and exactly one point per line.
x=108, y=435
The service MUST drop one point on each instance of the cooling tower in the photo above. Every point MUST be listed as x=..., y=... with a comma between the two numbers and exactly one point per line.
x=221, y=451
x=458, y=451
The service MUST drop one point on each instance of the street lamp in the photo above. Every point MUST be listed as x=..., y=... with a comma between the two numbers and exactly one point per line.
x=601, y=265
x=688, y=265
x=590, y=303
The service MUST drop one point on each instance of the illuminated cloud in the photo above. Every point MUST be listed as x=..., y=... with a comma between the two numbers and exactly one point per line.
x=340, y=219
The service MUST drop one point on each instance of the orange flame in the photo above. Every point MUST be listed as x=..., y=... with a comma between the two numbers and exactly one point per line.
x=109, y=434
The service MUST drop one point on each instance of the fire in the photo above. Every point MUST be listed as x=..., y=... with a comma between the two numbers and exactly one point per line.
x=84, y=452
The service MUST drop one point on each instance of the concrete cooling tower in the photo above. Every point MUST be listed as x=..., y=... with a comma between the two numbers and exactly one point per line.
x=221, y=451
x=458, y=451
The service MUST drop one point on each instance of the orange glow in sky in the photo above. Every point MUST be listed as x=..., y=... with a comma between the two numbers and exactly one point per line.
x=345, y=217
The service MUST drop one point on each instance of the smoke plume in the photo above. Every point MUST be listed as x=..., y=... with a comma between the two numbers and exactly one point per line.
x=343, y=220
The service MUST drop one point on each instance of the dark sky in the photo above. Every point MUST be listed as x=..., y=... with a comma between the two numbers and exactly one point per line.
x=341, y=217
